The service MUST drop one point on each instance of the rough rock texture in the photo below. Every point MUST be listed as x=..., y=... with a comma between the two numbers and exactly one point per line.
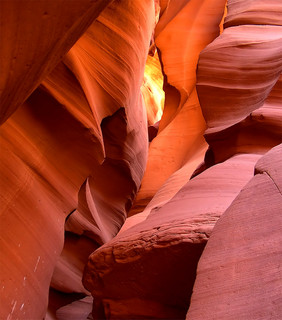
x=169, y=242
x=77, y=125
x=239, y=274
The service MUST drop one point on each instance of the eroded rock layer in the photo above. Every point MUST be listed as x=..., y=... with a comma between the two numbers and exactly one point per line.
x=184, y=29
x=159, y=255
x=80, y=126
x=34, y=37
x=239, y=122
x=239, y=274
x=248, y=66
x=78, y=113
x=239, y=86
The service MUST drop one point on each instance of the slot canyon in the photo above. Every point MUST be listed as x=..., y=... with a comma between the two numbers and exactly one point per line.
x=141, y=159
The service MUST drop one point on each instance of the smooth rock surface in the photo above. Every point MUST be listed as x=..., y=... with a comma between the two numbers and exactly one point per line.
x=184, y=29
x=77, y=110
x=78, y=310
x=35, y=35
x=248, y=66
x=77, y=125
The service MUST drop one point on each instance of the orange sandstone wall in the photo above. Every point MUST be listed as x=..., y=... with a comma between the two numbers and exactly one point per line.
x=34, y=37
x=156, y=253
x=184, y=29
x=77, y=145
x=74, y=149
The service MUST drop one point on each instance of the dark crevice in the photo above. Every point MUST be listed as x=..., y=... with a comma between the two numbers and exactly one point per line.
x=70, y=214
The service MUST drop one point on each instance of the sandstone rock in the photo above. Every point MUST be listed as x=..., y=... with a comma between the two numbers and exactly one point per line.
x=167, y=191
x=69, y=268
x=34, y=37
x=65, y=133
x=180, y=36
x=239, y=81
x=153, y=131
x=270, y=164
x=260, y=131
x=232, y=88
x=78, y=310
x=253, y=12
x=170, y=150
x=239, y=276
x=159, y=255
x=74, y=144
x=237, y=71
x=59, y=300
x=241, y=100
x=123, y=133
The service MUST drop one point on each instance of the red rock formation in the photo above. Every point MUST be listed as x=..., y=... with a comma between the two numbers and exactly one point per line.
x=69, y=267
x=240, y=96
x=257, y=12
x=74, y=144
x=138, y=250
x=34, y=37
x=77, y=124
x=232, y=88
x=78, y=310
x=239, y=274
x=258, y=132
x=180, y=36
x=159, y=255
x=236, y=73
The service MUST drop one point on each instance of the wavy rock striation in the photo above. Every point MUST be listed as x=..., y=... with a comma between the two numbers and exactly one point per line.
x=180, y=36
x=74, y=146
x=235, y=86
x=239, y=86
x=34, y=37
x=86, y=123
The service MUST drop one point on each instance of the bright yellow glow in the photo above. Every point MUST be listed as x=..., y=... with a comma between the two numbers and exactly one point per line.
x=152, y=89
x=223, y=17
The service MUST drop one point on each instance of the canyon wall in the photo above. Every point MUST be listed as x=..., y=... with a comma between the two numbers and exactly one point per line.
x=112, y=189
x=75, y=150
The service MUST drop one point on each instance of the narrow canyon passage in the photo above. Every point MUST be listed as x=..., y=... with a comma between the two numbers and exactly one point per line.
x=140, y=159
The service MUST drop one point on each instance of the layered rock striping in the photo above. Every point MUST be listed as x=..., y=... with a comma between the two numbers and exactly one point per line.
x=77, y=126
x=183, y=30
x=75, y=111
